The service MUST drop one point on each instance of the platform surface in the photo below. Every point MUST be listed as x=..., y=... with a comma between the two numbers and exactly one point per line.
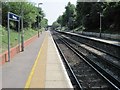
x=112, y=42
x=16, y=72
x=56, y=76
x=39, y=66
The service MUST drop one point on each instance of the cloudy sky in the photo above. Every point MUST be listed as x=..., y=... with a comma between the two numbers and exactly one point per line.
x=53, y=8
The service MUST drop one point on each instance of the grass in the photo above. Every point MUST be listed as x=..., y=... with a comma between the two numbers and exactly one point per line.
x=28, y=33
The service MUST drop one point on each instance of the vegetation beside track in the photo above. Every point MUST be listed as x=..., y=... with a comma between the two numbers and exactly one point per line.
x=28, y=33
x=33, y=19
x=89, y=16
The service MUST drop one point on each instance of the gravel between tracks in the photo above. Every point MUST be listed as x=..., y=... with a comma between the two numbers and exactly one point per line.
x=86, y=75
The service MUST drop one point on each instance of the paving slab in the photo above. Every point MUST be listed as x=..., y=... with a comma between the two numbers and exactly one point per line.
x=56, y=75
x=16, y=72
x=39, y=66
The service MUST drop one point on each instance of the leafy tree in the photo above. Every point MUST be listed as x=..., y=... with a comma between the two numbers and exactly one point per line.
x=88, y=15
x=30, y=13
x=68, y=16
x=60, y=20
x=55, y=25
x=44, y=22
x=83, y=9
x=111, y=16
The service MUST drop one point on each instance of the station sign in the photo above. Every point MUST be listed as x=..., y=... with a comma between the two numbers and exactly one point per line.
x=13, y=16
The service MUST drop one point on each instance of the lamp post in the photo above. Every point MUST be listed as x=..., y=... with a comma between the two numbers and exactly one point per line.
x=101, y=15
x=38, y=17
x=73, y=25
x=22, y=36
x=8, y=34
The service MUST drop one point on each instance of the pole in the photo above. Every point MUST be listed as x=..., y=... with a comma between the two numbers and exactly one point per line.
x=100, y=24
x=8, y=34
x=38, y=18
x=38, y=21
x=19, y=35
x=22, y=36
x=73, y=26
x=8, y=38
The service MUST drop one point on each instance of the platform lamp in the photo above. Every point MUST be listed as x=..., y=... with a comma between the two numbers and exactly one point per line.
x=101, y=15
x=38, y=17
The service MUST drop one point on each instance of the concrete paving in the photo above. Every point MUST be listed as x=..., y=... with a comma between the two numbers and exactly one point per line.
x=37, y=76
x=15, y=73
x=56, y=75
x=39, y=66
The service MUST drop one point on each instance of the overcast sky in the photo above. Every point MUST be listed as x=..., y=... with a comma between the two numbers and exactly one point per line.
x=53, y=8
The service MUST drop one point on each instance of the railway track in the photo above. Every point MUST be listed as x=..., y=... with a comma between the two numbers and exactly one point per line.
x=110, y=65
x=96, y=52
x=87, y=72
x=101, y=45
x=74, y=80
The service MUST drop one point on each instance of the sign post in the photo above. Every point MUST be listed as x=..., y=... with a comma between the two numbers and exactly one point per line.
x=14, y=17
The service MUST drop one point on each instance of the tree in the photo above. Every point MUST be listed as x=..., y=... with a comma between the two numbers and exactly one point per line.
x=68, y=16
x=88, y=15
x=60, y=20
x=83, y=10
x=55, y=25
x=30, y=12
x=111, y=16
x=44, y=22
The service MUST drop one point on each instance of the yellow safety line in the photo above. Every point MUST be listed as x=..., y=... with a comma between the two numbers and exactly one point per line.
x=34, y=66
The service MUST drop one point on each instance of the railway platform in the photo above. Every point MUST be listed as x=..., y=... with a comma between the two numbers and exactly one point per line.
x=39, y=66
